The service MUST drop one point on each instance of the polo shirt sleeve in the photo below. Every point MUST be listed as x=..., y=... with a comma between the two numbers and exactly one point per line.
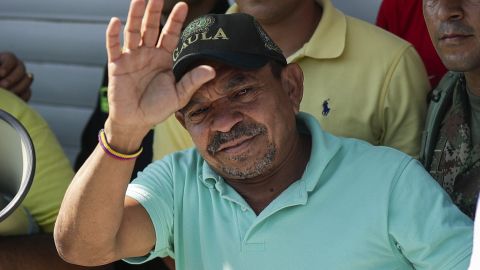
x=153, y=189
x=424, y=225
x=405, y=103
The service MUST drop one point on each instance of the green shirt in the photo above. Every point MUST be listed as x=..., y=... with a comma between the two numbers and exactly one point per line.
x=356, y=207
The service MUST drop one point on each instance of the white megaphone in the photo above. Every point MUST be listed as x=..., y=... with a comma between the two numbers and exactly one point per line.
x=17, y=165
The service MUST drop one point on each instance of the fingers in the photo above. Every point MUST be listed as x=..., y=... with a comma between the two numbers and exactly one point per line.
x=18, y=81
x=151, y=23
x=22, y=87
x=192, y=81
x=113, y=40
x=14, y=75
x=26, y=95
x=173, y=27
x=132, y=34
x=8, y=61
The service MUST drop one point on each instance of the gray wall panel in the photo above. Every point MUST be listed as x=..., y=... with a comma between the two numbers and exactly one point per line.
x=96, y=10
x=57, y=84
x=79, y=43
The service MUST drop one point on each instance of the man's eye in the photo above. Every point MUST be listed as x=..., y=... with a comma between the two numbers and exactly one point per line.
x=199, y=112
x=243, y=92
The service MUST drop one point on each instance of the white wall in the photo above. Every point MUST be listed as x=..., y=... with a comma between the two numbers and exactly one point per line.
x=62, y=43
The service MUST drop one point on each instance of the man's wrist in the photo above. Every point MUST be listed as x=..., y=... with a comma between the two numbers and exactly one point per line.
x=124, y=139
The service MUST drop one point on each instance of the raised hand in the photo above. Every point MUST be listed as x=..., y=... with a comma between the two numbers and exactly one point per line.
x=14, y=76
x=142, y=89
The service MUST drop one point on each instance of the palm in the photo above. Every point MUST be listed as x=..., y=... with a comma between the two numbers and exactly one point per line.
x=143, y=81
x=142, y=87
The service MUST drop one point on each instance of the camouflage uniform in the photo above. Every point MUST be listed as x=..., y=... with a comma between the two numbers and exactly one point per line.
x=448, y=152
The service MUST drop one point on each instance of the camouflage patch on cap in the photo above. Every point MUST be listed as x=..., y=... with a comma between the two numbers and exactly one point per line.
x=267, y=41
x=197, y=26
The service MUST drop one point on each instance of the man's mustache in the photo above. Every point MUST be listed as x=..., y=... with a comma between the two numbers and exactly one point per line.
x=239, y=130
x=454, y=27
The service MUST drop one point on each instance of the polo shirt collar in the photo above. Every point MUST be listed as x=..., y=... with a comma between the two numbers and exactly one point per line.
x=324, y=148
x=209, y=177
x=328, y=40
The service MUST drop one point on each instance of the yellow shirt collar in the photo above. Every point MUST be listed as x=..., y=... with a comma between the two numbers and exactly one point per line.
x=328, y=40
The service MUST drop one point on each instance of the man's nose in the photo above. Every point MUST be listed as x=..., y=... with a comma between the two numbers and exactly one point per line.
x=450, y=9
x=225, y=118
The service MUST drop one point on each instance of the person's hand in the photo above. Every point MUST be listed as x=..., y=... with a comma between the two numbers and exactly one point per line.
x=142, y=90
x=14, y=77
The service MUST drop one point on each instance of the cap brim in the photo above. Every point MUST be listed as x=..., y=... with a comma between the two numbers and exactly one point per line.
x=238, y=60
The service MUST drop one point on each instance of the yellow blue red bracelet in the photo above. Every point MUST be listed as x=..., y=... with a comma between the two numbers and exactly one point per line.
x=102, y=140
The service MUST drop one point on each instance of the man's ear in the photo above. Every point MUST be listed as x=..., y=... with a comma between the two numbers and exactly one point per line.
x=292, y=82
x=181, y=118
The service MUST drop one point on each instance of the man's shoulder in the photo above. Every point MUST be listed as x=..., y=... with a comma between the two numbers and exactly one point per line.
x=441, y=95
x=444, y=89
x=373, y=37
x=439, y=105
x=369, y=166
x=186, y=156
x=372, y=155
x=354, y=144
x=349, y=149
x=189, y=160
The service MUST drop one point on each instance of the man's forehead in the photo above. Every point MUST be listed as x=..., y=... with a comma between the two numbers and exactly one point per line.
x=229, y=78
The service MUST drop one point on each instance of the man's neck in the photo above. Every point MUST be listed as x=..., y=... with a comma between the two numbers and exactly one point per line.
x=473, y=81
x=291, y=33
x=259, y=193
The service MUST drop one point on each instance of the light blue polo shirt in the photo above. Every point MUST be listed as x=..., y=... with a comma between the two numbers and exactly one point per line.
x=357, y=207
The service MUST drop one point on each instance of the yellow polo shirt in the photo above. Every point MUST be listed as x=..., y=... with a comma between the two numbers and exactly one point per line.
x=360, y=82
x=53, y=171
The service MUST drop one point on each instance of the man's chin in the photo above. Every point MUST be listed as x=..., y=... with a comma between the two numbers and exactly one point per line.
x=241, y=173
x=460, y=61
x=247, y=165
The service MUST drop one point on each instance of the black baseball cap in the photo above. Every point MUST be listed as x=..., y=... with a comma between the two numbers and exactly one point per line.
x=233, y=39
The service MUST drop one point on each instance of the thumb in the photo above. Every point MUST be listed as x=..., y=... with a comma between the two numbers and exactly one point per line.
x=192, y=81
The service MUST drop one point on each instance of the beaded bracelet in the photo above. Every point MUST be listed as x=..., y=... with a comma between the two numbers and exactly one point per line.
x=102, y=140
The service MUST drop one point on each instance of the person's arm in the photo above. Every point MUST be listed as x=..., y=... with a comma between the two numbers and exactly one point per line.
x=34, y=252
x=96, y=223
x=404, y=107
x=14, y=77
x=424, y=225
